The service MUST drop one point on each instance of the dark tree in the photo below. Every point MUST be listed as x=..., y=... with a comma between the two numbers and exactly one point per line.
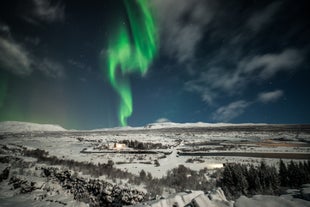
x=283, y=174
x=142, y=175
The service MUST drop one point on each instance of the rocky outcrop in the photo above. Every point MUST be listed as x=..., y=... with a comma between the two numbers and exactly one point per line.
x=214, y=198
x=23, y=185
x=93, y=191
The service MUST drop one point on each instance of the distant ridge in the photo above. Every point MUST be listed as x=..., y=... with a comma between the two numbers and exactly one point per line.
x=15, y=126
x=197, y=124
x=163, y=125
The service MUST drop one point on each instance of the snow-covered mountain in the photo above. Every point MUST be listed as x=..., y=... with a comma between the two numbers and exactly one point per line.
x=188, y=125
x=15, y=126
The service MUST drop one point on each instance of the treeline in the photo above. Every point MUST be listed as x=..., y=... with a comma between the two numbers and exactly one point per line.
x=241, y=179
x=183, y=178
x=143, y=145
x=179, y=179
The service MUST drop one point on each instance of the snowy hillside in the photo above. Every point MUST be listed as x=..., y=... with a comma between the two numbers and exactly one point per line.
x=14, y=126
x=192, y=125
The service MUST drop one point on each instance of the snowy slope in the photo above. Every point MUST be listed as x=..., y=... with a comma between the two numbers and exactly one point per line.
x=14, y=126
x=189, y=125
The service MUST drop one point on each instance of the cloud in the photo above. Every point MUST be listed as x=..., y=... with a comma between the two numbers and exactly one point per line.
x=272, y=96
x=231, y=49
x=269, y=64
x=236, y=108
x=182, y=25
x=51, y=68
x=261, y=18
x=14, y=58
x=216, y=81
x=44, y=11
x=230, y=111
x=5, y=29
x=200, y=86
x=33, y=40
x=162, y=120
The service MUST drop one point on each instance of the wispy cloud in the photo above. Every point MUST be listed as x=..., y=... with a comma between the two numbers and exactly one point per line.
x=261, y=18
x=230, y=111
x=215, y=81
x=4, y=28
x=235, y=56
x=234, y=109
x=271, y=96
x=43, y=11
x=268, y=65
x=51, y=68
x=16, y=59
x=182, y=25
x=201, y=87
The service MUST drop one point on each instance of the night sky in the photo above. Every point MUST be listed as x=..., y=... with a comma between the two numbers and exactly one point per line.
x=236, y=61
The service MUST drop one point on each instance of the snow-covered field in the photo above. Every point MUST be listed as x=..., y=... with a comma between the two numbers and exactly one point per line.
x=156, y=148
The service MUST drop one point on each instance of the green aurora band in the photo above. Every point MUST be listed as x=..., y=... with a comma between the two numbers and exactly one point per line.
x=131, y=50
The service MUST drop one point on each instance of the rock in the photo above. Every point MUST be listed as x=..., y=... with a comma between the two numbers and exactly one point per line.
x=217, y=194
x=194, y=198
x=24, y=185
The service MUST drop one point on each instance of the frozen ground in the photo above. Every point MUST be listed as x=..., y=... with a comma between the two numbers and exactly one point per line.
x=157, y=148
x=206, y=141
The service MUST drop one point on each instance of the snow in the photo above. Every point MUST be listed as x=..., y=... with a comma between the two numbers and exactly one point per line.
x=118, y=128
x=181, y=199
x=198, y=124
x=305, y=191
x=14, y=126
x=69, y=144
x=215, y=198
x=270, y=201
x=47, y=188
x=26, y=200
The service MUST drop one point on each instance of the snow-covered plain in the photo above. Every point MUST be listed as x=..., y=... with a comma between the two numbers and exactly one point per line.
x=195, y=145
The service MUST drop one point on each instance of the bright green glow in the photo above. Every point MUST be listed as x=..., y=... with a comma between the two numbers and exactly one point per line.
x=131, y=50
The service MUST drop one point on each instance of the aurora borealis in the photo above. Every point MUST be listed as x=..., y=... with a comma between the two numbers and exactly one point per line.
x=131, y=54
x=111, y=63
